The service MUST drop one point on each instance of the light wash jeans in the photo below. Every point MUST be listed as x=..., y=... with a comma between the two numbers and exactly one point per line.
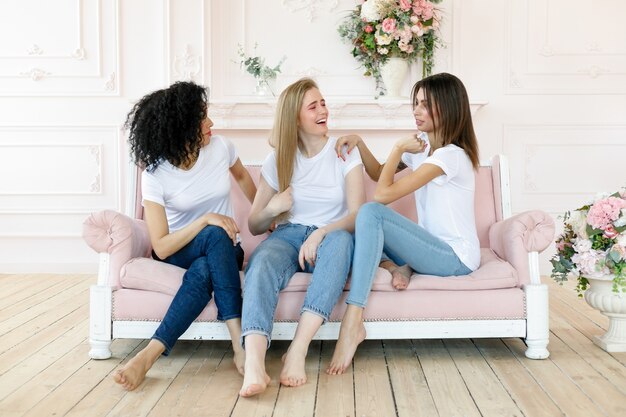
x=213, y=265
x=275, y=261
x=380, y=228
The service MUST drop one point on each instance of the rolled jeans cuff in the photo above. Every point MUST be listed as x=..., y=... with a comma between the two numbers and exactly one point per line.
x=260, y=332
x=355, y=303
x=168, y=348
x=315, y=311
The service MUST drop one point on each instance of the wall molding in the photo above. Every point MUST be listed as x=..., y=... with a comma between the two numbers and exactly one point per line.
x=90, y=67
x=344, y=114
x=535, y=64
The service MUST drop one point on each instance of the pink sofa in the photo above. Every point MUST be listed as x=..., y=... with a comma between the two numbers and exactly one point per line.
x=502, y=298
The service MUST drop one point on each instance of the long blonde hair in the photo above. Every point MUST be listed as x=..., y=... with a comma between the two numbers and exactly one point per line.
x=284, y=135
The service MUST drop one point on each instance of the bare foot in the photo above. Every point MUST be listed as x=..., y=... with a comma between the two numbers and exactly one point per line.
x=239, y=359
x=293, y=373
x=255, y=381
x=133, y=373
x=349, y=339
x=400, y=277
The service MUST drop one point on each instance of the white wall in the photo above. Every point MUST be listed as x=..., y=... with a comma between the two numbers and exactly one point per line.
x=552, y=72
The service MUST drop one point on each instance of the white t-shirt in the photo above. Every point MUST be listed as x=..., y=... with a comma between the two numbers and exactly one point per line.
x=318, y=184
x=187, y=195
x=445, y=206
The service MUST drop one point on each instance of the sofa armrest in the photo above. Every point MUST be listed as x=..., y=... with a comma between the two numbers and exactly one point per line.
x=514, y=238
x=119, y=236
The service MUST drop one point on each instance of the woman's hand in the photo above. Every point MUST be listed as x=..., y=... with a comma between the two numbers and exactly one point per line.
x=308, y=250
x=280, y=202
x=349, y=141
x=411, y=144
x=225, y=222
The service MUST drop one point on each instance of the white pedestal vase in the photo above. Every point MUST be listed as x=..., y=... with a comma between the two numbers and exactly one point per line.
x=600, y=296
x=393, y=73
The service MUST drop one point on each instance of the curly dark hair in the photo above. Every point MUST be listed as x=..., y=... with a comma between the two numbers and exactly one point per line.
x=165, y=125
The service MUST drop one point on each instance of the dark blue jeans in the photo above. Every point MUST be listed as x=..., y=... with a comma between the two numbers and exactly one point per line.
x=213, y=265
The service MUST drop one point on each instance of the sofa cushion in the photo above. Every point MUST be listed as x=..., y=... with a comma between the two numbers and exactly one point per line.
x=151, y=275
x=493, y=273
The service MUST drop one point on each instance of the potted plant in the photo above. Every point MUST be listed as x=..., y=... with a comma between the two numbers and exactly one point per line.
x=264, y=74
x=593, y=248
x=387, y=35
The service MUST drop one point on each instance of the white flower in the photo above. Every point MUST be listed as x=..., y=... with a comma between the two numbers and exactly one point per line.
x=621, y=239
x=591, y=264
x=578, y=220
x=582, y=245
x=369, y=11
x=382, y=38
x=621, y=221
x=383, y=51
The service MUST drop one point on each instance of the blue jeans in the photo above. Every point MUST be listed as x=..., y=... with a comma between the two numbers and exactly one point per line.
x=213, y=265
x=275, y=261
x=380, y=228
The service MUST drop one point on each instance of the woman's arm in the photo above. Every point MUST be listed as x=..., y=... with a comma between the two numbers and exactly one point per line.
x=387, y=190
x=243, y=178
x=355, y=198
x=165, y=243
x=371, y=164
x=267, y=205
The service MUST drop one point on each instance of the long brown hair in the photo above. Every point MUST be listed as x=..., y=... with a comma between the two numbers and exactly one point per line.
x=284, y=135
x=446, y=94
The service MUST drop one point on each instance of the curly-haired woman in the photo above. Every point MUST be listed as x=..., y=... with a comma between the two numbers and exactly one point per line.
x=188, y=212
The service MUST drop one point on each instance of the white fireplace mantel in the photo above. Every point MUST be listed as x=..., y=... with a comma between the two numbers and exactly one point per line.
x=255, y=114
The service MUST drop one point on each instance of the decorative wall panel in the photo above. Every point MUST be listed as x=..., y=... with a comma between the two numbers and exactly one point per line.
x=59, y=48
x=59, y=168
x=559, y=168
x=556, y=47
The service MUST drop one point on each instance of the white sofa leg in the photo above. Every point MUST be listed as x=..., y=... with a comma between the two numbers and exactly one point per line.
x=100, y=322
x=537, y=321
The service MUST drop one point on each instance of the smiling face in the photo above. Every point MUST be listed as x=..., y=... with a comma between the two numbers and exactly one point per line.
x=424, y=120
x=313, y=116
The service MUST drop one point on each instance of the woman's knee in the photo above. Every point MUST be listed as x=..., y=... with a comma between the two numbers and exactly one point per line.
x=369, y=211
x=268, y=253
x=339, y=240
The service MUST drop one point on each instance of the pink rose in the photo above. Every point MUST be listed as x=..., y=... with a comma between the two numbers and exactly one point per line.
x=610, y=232
x=389, y=25
x=369, y=29
x=405, y=5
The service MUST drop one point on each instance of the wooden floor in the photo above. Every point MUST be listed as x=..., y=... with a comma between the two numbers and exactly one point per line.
x=45, y=370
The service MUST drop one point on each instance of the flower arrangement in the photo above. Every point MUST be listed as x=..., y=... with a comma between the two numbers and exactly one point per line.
x=380, y=29
x=593, y=243
x=255, y=66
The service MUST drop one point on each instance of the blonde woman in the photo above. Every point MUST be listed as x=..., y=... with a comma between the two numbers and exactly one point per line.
x=313, y=196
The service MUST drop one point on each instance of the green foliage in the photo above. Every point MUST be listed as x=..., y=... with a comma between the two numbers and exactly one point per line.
x=372, y=46
x=255, y=65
